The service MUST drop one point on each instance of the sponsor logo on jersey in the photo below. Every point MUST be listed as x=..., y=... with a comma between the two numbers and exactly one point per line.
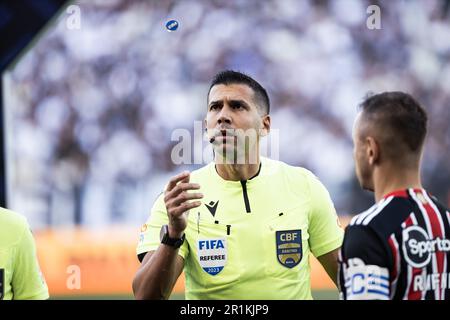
x=212, y=254
x=418, y=247
x=212, y=207
x=289, y=247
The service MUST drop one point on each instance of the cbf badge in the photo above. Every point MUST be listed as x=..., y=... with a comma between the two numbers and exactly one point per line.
x=212, y=254
x=289, y=247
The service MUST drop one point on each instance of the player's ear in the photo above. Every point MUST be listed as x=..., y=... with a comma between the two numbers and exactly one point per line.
x=373, y=150
x=265, y=129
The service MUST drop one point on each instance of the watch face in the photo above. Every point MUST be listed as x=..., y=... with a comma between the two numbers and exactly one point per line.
x=164, y=230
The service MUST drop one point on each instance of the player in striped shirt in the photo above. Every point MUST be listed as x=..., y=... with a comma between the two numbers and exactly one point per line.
x=399, y=248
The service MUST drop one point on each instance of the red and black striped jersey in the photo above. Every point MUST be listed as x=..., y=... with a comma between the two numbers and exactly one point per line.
x=398, y=249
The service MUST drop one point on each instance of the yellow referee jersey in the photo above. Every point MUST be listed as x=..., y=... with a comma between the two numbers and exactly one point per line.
x=252, y=239
x=20, y=276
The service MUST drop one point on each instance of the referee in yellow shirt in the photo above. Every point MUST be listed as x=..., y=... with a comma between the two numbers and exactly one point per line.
x=20, y=276
x=240, y=227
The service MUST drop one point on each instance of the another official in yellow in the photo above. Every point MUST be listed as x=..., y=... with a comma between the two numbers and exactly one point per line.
x=20, y=276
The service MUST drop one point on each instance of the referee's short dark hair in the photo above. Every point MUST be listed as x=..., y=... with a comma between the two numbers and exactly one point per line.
x=228, y=77
x=400, y=117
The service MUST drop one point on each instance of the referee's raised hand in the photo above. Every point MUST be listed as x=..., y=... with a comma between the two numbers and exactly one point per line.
x=178, y=202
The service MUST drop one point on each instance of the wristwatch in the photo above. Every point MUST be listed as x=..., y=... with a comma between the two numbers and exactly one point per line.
x=165, y=239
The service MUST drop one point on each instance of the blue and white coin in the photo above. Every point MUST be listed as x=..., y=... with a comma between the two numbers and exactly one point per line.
x=172, y=25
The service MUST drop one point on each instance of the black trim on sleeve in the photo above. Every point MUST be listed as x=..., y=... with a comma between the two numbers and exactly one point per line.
x=141, y=256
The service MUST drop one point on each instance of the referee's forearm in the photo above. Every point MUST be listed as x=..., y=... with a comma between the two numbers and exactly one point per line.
x=157, y=275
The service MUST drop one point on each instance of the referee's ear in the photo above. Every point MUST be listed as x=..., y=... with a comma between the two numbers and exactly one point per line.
x=265, y=129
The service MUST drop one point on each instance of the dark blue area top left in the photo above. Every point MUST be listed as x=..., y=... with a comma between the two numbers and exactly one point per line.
x=20, y=22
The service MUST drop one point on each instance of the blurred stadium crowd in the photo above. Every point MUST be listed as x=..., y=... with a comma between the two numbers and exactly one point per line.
x=91, y=111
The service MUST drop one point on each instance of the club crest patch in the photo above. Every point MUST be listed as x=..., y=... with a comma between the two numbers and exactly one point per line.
x=289, y=247
x=212, y=254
